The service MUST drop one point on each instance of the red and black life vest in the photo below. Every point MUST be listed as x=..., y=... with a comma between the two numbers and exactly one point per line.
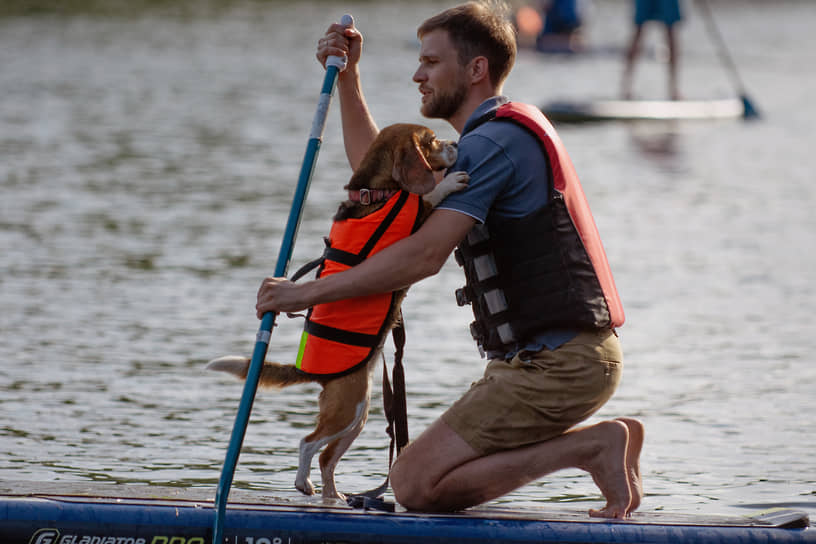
x=339, y=336
x=547, y=270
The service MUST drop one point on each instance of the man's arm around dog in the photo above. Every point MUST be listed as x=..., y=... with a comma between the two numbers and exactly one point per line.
x=420, y=255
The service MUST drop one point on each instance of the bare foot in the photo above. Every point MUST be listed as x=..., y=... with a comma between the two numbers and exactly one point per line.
x=636, y=434
x=331, y=493
x=608, y=469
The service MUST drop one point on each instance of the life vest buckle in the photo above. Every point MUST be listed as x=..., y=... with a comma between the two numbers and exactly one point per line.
x=460, y=259
x=476, y=331
x=462, y=296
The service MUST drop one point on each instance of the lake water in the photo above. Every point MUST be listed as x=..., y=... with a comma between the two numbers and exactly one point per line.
x=147, y=164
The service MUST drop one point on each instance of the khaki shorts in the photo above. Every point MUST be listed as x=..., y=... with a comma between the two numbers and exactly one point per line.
x=537, y=396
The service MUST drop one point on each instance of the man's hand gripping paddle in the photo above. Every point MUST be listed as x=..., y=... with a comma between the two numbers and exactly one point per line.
x=333, y=66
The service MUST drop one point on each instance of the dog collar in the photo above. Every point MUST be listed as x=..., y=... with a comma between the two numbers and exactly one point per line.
x=367, y=196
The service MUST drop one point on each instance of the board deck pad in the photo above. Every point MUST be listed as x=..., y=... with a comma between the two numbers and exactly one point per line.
x=78, y=513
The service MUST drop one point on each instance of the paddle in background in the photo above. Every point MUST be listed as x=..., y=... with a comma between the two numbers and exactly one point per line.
x=749, y=110
x=334, y=65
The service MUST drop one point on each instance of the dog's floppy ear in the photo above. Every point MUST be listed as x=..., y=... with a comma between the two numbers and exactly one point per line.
x=411, y=169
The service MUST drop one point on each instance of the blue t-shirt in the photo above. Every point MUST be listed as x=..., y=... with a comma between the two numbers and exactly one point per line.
x=507, y=167
x=509, y=177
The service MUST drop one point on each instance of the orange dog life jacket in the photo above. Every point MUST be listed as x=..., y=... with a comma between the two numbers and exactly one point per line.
x=339, y=336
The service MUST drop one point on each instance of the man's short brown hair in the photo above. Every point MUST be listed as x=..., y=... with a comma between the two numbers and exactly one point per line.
x=479, y=29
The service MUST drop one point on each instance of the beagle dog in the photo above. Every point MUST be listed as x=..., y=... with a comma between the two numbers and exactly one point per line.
x=402, y=161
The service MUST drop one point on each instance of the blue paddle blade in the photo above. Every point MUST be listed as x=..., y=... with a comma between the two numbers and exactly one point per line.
x=749, y=111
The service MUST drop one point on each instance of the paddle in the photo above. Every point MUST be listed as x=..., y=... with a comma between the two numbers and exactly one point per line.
x=749, y=110
x=333, y=66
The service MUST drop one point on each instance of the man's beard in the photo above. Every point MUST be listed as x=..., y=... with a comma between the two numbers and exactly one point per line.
x=445, y=105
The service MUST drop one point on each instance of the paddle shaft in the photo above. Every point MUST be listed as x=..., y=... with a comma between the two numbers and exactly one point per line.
x=333, y=66
x=749, y=110
x=722, y=49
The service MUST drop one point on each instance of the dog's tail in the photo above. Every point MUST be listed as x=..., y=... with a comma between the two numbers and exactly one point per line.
x=272, y=374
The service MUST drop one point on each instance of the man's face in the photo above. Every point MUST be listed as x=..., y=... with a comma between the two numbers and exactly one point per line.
x=441, y=78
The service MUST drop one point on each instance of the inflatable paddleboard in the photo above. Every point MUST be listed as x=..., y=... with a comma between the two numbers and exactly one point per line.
x=70, y=513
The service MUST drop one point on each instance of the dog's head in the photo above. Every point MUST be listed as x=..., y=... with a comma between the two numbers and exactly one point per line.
x=404, y=156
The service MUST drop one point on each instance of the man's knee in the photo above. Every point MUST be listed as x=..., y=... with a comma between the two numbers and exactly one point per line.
x=409, y=487
x=421, y=468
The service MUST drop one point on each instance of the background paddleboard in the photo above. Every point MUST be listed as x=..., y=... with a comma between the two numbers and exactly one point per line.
x=635, y=110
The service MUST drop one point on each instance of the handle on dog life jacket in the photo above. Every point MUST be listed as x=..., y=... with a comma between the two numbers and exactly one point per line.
x=333, y=66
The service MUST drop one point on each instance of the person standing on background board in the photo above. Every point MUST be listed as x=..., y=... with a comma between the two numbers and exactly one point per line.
x=666, y=12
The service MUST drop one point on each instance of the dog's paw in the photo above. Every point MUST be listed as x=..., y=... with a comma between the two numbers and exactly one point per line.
x=451, y=183
x=305, y=486
x=233, y=364
x=455, y=181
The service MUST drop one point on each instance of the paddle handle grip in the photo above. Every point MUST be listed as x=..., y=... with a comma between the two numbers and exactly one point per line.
x=340, y=62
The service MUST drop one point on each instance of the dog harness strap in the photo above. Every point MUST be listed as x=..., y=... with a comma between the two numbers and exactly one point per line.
x=343, y=257
x=384, y=226
x=339, y=335
x=306, y=268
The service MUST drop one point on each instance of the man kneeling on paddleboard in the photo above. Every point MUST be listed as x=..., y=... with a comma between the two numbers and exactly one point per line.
x=544, y=300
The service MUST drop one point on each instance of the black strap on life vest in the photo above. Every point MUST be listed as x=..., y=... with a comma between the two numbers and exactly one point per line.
x=308, y=267
x=396, y=413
